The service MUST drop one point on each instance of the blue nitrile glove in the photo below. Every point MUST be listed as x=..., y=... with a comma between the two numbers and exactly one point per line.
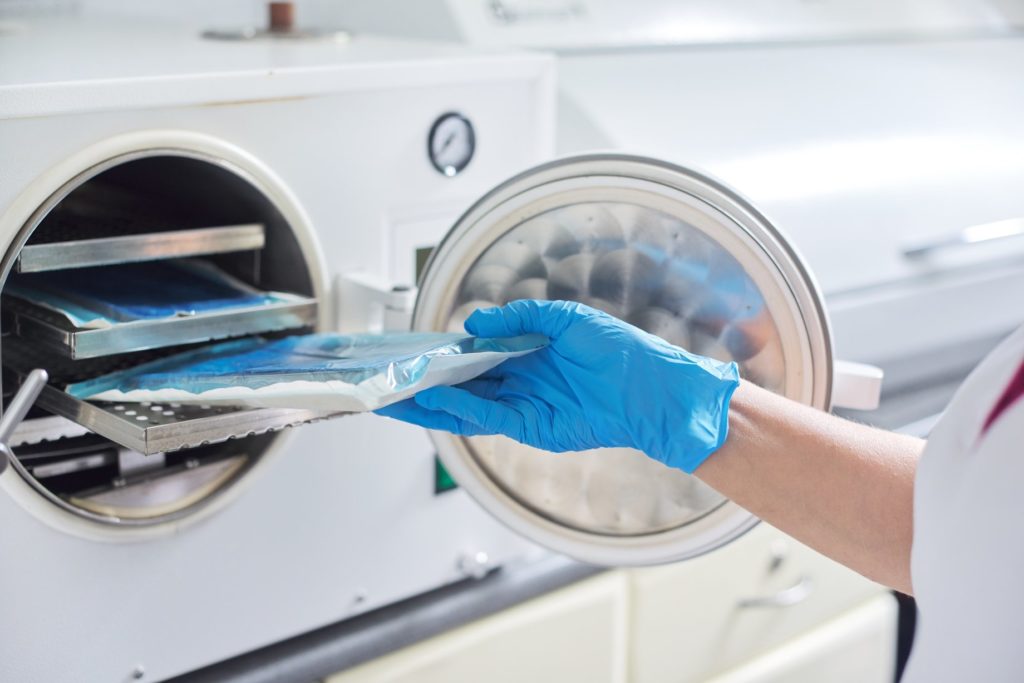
x=600, y=383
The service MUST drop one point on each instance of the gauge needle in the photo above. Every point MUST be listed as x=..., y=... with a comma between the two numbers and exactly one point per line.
x=447, y=141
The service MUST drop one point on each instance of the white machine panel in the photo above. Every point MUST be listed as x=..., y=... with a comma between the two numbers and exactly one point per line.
x=589, y=25
x=862, y=154
x=339, y=517
x=855, y=184
x=884, y=139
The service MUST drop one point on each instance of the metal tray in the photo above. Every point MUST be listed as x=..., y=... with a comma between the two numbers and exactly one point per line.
x=150, y=246
x=43, y=327
x=160, y=428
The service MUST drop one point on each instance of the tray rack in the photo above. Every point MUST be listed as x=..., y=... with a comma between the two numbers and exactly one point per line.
x=164, y=427
x=151, y=246
x=49, y=329
x=152, y=428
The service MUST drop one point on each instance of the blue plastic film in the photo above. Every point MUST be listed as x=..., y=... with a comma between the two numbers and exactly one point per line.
x=237, y=371
x=136, y=291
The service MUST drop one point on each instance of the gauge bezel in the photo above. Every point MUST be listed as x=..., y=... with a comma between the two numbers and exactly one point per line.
x=449, y=170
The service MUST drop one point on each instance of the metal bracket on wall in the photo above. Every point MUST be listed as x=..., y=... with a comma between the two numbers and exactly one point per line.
x=367, y=304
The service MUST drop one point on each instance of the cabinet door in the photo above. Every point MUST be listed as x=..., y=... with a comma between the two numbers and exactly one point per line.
x=698, y=618
x=575, y=634
x=857, y=647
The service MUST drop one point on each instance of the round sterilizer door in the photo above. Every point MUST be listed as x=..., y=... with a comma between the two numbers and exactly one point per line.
x=668, y=250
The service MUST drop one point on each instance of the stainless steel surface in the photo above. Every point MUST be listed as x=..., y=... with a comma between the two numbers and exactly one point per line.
x=148, y=493
x=787, y=597
x=161, y=428
x=285, y=266
x=667, y=250
x=160, y=495
x=46, y=328
x=651, y=269
x=130, y=463
x=73, y=465
x=145, y=247
x=986, y=233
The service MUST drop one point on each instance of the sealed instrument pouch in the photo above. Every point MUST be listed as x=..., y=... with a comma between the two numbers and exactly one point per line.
x=329, y=372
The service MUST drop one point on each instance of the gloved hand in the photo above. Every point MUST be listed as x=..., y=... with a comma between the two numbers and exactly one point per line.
x=600, y=383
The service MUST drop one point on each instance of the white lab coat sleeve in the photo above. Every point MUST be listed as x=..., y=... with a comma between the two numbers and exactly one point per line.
x=968, y=555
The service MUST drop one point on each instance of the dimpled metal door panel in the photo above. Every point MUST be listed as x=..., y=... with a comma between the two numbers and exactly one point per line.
x=671, y=259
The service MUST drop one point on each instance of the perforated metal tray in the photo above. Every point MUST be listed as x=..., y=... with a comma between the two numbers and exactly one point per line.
x=160, y=428
x=152, y=246
x=43, y=327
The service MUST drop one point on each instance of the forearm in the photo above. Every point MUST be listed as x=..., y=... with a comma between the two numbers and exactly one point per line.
x=844, y=489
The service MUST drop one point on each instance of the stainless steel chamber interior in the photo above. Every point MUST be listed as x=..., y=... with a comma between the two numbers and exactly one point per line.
x=144, y=192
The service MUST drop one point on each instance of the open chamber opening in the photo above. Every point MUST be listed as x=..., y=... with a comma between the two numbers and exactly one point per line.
x=140, y=214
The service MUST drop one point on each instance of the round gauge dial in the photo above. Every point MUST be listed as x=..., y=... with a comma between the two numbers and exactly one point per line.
x=451, y=143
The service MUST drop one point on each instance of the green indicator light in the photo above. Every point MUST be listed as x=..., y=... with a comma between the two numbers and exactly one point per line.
x=442, y=480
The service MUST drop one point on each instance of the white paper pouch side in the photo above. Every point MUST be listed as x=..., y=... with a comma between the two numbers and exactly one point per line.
x=328, y=396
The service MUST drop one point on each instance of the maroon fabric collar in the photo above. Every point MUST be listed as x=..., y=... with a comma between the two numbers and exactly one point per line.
x=1013, y=391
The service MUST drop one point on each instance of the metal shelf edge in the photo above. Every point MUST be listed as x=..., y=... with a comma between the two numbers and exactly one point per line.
x=143, y=335
x=215, y=427
x=104, y=251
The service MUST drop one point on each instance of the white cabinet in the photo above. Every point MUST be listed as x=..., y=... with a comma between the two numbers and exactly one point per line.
x=575, y=634
x=696, y=619
x=857, y=647
x=764, y=609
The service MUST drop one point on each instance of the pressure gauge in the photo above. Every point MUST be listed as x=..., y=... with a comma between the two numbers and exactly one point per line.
x=451, y=143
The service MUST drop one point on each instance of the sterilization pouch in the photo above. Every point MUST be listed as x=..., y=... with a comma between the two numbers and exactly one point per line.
x=95, y=298
x=328, y=372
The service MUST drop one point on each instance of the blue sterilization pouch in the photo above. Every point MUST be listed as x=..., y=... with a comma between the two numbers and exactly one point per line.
x=109, y=295
x=330, y=372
